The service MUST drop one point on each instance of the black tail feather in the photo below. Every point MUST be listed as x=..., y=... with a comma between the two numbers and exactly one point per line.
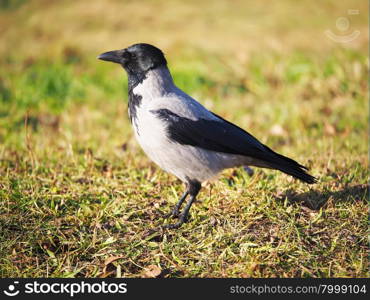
x=297, y=172
x=290, y=167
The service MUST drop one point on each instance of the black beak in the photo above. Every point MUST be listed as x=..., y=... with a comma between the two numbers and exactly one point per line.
x=113, y=56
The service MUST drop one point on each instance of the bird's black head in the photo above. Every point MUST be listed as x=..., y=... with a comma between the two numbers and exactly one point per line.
x=136, y=59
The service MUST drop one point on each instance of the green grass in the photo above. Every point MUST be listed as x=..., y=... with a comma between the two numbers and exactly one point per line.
x=78, y=197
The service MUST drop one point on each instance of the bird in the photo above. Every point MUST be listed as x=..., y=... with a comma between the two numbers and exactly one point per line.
x=182, y=136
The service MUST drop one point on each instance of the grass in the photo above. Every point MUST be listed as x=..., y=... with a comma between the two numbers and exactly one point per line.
x=78, y=198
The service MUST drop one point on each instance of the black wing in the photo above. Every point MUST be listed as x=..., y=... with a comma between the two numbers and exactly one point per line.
x=222, y=136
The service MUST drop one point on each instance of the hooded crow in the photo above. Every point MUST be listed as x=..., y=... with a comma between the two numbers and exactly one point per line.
x=182, y=136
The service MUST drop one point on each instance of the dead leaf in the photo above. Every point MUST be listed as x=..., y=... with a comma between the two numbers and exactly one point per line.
x=152, y=271
x=111, y=259
x=277, y=130
x=123, y=147
x=329, y=129
x=107, y=264
x=327, y=111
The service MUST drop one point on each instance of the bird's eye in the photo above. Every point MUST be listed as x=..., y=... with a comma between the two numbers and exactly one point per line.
x=133, y=55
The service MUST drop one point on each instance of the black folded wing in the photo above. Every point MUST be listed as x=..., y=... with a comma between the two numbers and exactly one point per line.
x=220, y=135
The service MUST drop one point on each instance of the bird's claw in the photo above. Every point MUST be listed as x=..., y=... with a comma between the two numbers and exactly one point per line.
x=182, y=219
x=172, y=226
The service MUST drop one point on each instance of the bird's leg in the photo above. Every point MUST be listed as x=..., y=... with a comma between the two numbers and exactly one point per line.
x=176, y=210
x=193, y=190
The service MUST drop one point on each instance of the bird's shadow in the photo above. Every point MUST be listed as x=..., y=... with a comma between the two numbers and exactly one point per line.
x=314, y=199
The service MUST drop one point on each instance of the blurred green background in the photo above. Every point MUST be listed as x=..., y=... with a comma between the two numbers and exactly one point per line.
x=293, y=73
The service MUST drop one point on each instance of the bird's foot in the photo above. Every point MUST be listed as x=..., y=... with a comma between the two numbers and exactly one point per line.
x=175, y=213
x=172, y=226
x=182, y=220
